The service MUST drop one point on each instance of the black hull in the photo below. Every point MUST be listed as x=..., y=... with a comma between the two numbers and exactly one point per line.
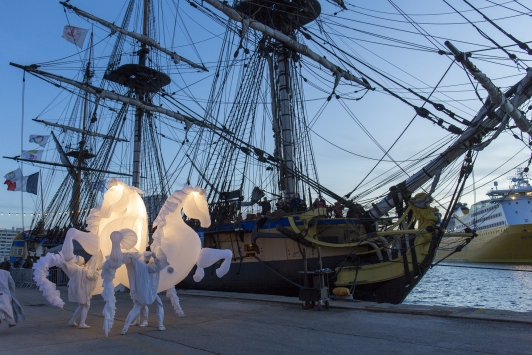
x=265, y=278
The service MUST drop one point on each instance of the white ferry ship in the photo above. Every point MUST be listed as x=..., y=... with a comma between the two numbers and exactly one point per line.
x=503, y=224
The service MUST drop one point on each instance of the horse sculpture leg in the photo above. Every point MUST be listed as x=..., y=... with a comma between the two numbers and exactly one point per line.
x=208, y=257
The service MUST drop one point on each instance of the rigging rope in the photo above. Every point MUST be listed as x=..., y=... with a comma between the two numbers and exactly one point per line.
x=397, y=139
x=521, y=45
x=510, y=55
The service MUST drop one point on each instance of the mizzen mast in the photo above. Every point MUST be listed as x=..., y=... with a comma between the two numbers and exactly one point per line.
x=82, y=154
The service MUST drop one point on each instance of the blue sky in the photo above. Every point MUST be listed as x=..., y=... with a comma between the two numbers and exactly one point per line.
x=32, y=34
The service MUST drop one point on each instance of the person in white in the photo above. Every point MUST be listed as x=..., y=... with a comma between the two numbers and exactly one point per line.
x=143, y=273
x=10, y=308
x=144, y=313
x=80, y=288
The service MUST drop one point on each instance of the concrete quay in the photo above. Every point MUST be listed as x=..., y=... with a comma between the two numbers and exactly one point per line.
x=232, y=323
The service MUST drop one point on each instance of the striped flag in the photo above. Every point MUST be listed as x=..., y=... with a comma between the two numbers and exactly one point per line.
x=28, y=183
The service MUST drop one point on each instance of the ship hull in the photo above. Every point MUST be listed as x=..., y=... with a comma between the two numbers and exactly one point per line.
x=506, y=244
x=270, y=263
x=258, y=278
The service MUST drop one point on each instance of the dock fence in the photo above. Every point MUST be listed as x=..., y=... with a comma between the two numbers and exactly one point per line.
x=24, y=277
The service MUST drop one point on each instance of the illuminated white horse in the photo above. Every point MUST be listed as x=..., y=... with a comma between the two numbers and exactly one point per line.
x=122, y=208
x=181, y=243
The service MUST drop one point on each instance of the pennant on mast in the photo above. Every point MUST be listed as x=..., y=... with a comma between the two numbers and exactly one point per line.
x=39, y=139
x=139, y=37
x=33, y=154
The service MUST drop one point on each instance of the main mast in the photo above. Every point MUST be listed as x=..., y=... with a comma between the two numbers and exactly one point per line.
x=285, y=17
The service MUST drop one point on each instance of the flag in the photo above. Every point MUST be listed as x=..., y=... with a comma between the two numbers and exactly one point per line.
x=11, y=185
x=14, y=175
x=32, y=183
x=40, y=140
x=33, y=154
x=24, y=183
x=13, y=178
x=75, y=35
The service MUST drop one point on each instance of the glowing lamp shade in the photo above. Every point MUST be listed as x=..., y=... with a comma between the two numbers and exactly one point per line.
x=180, y=243
x=123, y=209
x=196, y=205
x=181, y=246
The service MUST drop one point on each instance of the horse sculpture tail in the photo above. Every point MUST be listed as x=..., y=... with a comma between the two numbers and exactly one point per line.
x=174, y=299
x=208, y=257
x=40, y=274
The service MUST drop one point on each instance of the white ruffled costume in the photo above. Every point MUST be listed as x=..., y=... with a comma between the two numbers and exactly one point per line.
x=143, y=282
x=143, y=271
x=83, y=277
x=81, y=286
x=10, y=308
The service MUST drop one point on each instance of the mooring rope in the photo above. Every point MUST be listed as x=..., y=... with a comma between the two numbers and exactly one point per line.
x=485, y=268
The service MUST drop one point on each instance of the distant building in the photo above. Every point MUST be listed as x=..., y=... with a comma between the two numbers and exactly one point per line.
x=6, y=239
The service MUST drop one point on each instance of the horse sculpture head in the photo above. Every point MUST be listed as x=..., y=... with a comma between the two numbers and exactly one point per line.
x=196, y=206
x=122, y=207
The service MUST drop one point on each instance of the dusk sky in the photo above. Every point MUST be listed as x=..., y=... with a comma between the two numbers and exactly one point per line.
x=32, y=34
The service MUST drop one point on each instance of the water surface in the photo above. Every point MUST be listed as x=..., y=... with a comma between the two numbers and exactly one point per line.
x=495, y=286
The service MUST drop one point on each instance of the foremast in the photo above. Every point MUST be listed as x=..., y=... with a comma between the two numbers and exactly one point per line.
x=82, y=154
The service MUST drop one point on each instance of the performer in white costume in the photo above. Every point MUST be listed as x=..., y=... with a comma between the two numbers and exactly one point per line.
x=84, y=277
x=143, y=281
x=143, y=273
x=80, y=288
x=144, y=313
x=10, y=308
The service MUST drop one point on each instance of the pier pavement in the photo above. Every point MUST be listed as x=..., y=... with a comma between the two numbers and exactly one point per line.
x=232, y=323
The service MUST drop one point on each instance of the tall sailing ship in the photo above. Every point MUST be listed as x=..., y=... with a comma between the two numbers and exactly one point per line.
x=242, y=125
